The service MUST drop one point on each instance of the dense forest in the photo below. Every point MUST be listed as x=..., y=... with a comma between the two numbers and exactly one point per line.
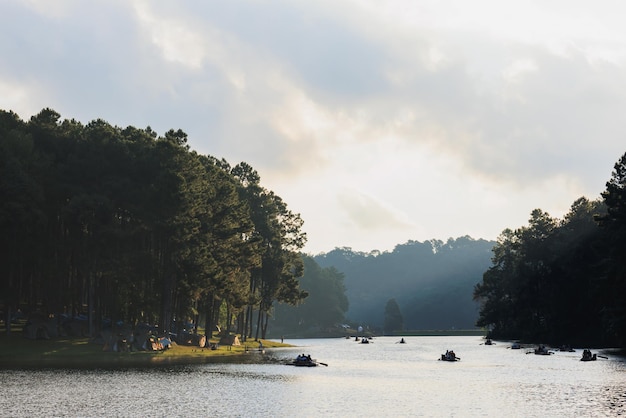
x=100, y=223
x=103, y=224
x=562, y=281
x=431, y=282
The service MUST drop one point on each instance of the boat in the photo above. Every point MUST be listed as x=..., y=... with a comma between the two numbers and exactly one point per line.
x=542, y=351
x=488, y=341
x=587, y=356
x=365, y=341
x=303, y=361
x=516, y=346
x=449, y=356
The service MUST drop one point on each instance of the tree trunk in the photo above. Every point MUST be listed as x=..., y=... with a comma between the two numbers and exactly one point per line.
x=266, y=318
x=7, y=320
x=217, y=304
x=240, y=323
x=248, y=322
x=229, y=316
x=90, y=304
x=166, y=305
x=209, y=314
x=258, y=325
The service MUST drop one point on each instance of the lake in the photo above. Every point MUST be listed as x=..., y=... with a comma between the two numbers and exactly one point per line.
x=383, y=379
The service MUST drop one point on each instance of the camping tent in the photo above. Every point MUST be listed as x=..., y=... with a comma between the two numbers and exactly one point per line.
x=230, y=340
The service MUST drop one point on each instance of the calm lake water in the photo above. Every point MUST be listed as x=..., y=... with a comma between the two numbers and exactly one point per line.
x=380, y=379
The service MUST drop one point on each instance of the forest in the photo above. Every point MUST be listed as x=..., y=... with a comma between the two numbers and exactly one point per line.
x=102, y=224
x=562, y=281
x=431, y=282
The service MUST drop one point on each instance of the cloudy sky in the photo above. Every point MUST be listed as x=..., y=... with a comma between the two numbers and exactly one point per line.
x=378, y=121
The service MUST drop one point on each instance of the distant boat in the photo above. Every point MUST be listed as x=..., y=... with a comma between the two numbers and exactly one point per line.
x=449, y=356
x=305, y=361
x=542, y=351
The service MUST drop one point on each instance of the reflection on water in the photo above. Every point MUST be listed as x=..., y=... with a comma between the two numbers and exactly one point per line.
x=378, y=379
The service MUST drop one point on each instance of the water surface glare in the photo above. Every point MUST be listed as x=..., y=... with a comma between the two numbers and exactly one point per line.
x=381, y=379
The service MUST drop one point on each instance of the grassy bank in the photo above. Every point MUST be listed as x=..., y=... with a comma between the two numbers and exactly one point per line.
x=18, y=352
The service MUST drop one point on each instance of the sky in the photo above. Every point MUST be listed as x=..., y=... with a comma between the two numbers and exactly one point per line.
x=379, y=122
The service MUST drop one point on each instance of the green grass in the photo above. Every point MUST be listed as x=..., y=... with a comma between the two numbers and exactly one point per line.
x=19, y=352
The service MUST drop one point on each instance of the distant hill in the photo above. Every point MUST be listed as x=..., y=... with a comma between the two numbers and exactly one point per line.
x=432, y=281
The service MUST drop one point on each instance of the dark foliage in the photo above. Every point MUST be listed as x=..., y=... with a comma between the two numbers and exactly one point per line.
x=109, y=225
x=562, y=281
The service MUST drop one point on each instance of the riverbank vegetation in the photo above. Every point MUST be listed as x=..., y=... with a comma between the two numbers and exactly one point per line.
x=83, y=352
x=109, y=230
x=562, y=281
x=101, y=224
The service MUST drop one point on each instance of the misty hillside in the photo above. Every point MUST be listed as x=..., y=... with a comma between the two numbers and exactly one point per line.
x=432, y=281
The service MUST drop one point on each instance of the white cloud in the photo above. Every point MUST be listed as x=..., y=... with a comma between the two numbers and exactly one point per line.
x=174, y=37
x=379, y=122
x=15, y=97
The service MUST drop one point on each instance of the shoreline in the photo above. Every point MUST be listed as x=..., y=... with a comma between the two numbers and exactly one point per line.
x=17, y=352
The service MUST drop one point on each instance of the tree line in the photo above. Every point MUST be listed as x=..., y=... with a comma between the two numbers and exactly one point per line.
x=431, y=282
x=122, y=224
x=562, y=281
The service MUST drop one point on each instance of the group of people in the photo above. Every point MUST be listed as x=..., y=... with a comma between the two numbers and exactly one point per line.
x=587, y=355
x=302, y=357
x=450, y=356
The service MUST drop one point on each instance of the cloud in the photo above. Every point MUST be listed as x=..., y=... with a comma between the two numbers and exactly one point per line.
x=367, y=213
x=378, y=122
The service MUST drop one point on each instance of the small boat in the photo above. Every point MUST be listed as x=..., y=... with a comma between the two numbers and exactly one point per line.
x=449, y=356
x=365, y=341
x=402, y=341
x=587, y=356
x=515, y=346
x=488, y=341
x=542, y=351
x=305, y=361
x=566, y=349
